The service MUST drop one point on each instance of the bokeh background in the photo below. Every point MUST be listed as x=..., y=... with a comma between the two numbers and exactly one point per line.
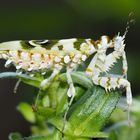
x=57, y=19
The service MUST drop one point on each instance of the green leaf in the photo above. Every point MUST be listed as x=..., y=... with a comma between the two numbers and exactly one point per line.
x=35, y=138
x=33, y=81
x=52, y=92
x=27, y=111
x=122, y=131
x=46, y=101
x=122, y=128
x=57, y=135
x=78, y=78
x=79, y=92
x=62, y=99
x=57, y=121
x=30, y=81
x=40, y=130
x=88, y=115
x=113, y=136
x=75, y=138
x=8, y=75
x=45, y=111
x=14, y=136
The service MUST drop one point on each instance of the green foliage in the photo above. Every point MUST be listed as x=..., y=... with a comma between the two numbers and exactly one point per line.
x=27, y=112
x=86, y=116
x=120, y=128
x=15, y=136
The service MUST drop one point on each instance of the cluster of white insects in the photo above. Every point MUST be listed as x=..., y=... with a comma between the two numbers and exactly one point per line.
x=41, y=55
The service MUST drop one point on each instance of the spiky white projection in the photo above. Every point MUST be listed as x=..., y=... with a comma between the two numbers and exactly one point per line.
x=41, y=55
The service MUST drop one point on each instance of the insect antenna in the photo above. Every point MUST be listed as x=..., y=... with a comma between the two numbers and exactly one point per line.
x=66, y=112
x=128, y=116
x=131, y=20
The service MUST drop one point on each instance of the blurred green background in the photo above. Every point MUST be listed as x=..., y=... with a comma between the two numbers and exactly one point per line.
x=57, y=19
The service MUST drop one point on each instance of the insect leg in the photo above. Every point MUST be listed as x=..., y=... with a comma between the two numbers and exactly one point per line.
x=45, y=83
x=90, y=68
x=112, y=83
x=119, y=51
x=112, y=58
x=125, y=66
x=71, y=93
x=71, y=90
